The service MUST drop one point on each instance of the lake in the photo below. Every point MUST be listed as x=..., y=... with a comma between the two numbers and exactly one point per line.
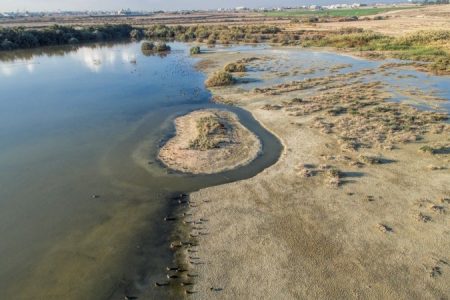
x=82, y=198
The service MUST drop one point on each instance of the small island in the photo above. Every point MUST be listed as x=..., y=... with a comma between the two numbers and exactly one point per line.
x=209, y=141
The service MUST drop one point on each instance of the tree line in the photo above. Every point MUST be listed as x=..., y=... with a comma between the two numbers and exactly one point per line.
x=25, y=38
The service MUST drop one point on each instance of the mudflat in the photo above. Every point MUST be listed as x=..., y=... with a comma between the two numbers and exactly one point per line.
x=356, y=207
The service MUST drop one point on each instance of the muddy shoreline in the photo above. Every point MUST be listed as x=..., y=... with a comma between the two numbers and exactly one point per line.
x=284, y=221
x=180, y=243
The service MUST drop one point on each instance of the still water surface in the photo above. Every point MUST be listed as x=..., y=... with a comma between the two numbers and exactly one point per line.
x=81, y=122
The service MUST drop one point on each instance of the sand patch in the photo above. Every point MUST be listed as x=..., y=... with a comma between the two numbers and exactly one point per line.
x=209, y=141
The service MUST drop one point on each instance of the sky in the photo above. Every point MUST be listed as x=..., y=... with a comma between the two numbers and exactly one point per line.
x=149, y=5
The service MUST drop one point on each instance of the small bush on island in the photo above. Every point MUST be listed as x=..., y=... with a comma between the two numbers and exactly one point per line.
x=220, y=78
x=147, y=46
x=195, y=50
x=209, y=129
x=235, y=67
x=162, y=47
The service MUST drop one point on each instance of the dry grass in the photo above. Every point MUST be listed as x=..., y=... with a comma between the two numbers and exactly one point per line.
x=358, y=113
x=235, y=67
x=220, y=78
x=436, y=148
x=211, y=131
x=333, y=177
x=371, y=160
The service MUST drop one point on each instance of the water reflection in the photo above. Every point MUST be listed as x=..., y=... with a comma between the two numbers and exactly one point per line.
x=153, y=53
x=12, y=68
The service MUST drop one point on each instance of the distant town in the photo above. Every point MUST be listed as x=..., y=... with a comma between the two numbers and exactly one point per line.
x=129, y=12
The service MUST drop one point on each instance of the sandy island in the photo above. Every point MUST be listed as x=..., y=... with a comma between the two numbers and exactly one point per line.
x=209, y=141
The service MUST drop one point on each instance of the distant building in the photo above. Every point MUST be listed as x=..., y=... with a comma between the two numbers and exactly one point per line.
x=124, y=12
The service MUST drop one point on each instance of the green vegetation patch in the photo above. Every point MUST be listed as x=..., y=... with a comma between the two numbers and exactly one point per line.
x=425, y=46
x=195, y=50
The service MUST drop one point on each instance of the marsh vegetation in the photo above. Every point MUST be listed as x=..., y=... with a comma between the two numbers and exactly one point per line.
x=209, y=128
x=235, y=67
x=220, y=78
x=426, y=46
x=195, y=50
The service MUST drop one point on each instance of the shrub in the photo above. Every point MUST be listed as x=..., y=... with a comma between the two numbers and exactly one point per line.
x=136, y=34
x=147, y=46
x=73, y=41
x=208, y=130
x=220, y=78
x=235, y=67
x=162, y=47
x=195, y=50
x=7, y=45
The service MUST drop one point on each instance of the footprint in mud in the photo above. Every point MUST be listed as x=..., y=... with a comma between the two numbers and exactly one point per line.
x=385, y=228
x=437, y=208
x=370, y=198
x=437, y=269
x=423, y=218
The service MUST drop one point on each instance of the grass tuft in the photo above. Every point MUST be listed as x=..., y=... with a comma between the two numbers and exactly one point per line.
x=235, y=67
x=208, y=128
x=220, y=78
x=195, y=50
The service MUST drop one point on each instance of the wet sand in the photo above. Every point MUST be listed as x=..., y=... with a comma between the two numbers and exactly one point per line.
x=328, y=221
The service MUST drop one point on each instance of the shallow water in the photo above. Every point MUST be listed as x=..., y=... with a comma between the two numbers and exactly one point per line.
x=397, y=80
x=86, y=122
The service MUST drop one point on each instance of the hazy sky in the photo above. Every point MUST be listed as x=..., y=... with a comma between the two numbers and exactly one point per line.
x=51, y=5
